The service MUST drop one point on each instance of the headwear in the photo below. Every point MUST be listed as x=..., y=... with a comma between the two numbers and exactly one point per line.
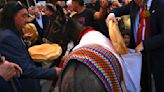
x=102, y=62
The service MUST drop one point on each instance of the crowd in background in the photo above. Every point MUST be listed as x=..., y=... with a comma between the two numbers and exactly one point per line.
x=44, y=18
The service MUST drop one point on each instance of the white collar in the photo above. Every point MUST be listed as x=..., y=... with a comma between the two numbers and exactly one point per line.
x=149, y=2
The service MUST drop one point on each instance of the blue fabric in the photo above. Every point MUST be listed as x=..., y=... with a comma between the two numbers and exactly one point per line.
x=14, y=50
x=4, y=86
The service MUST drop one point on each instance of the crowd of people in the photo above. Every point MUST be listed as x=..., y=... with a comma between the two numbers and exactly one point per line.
x=141, y=23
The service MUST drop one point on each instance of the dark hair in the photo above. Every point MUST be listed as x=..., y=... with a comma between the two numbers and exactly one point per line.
x=81, y=2
x=8, y=13
x=126, y=32
x=51, y=7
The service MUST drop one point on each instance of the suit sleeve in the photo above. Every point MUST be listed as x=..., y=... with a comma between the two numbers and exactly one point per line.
x=157, y=40
x=123, y=10
x=4, y=86
x=15, y=51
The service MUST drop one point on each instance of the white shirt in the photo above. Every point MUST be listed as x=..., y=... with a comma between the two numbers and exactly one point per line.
x=40, y=22
x=136, y=25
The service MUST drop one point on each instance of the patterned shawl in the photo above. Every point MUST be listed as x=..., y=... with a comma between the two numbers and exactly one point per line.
x=102, y=62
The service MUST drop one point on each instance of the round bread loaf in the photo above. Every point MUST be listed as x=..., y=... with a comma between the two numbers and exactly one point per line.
x=45, y=52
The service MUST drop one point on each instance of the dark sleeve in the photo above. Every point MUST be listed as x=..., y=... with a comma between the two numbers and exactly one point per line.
x=15, y=51
x=123, y=10
x=4, y=86
x=91, y=13
x=156, y=41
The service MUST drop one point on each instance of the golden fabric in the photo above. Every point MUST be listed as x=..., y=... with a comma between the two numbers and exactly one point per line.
x=30, y=28
x=116, y=38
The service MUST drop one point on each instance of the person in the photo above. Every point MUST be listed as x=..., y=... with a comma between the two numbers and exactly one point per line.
x=8, y=70
x=40, y=22
x=151, y=45
x=50, y=11
x=13, y=17
x=99, y=24
x=69, y=9
x=126, y=36
x=94, y=4
x=53, y=33
x=87, y=16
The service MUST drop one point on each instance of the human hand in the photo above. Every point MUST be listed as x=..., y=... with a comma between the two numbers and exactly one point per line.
x=58, y=71
x=28, y=36
x=8, y=70
x=111, y=16
x=116, y=3
x=139, y=48
x=104, y=4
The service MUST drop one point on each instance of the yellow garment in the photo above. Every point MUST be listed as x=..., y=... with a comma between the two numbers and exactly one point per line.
x=30, y=28
x=116, y=38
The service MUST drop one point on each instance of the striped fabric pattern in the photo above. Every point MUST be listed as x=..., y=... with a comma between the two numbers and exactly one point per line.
x=102, y=62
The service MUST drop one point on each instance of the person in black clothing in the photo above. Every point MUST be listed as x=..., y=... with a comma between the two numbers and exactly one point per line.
x=87, y=16
x=55, y=34
x=99, y=24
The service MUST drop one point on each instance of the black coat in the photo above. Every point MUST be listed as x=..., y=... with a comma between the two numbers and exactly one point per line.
x=39, y=29
x=154, y=45
x=4, y=86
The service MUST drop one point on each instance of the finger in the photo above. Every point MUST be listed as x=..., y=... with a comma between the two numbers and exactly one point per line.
x=18, y=73
x=11, y=73
x=58, y=70
x=18, y=68
x=115, y=20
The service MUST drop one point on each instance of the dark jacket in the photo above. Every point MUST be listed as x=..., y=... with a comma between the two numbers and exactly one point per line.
x=4, y=86
x=39, y=29
x=154, y=45
x=14, y=49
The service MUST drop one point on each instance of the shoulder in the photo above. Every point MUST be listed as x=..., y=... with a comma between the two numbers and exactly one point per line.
x=44, y=16
x=7, y=34
x=160, y=6
x=161, y=3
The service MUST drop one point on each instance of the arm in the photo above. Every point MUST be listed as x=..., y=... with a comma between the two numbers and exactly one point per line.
x=156, y=41
x=123, y=10
x=14, y=50
x=102, y=11
x=118, y=12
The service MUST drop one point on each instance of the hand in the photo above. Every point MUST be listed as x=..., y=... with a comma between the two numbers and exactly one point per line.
x=104, y=4
x=116, y=3
x=44, y=40
x=58, y=71
x=111, y=16
x=9, y=70
x=139, y=48
x=28, y=36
